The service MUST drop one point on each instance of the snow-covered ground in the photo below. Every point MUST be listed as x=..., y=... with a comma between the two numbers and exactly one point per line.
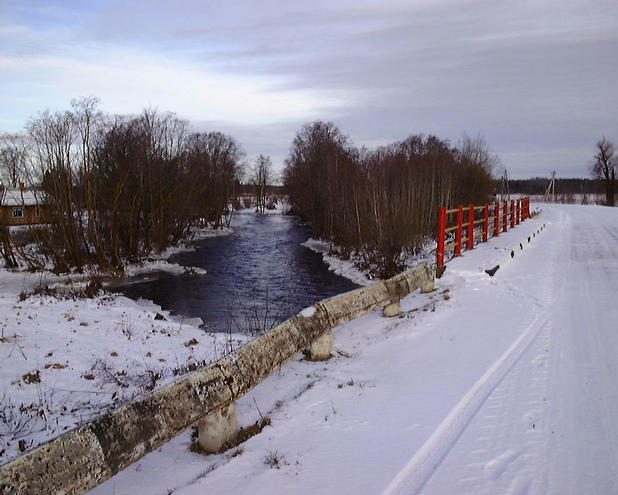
x=343, y=268
x=485, y=386
x=281, y=207
x=158, y=262
x=579, y=198
x=348, y=269
x=65, y=359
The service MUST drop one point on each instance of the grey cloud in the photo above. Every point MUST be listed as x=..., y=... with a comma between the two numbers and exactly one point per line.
x=533, y=77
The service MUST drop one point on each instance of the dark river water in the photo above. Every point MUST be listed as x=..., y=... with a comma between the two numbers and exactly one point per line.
x=259, y=272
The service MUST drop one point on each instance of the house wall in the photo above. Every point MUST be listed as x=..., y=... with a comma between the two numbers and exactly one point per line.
x=29, y=218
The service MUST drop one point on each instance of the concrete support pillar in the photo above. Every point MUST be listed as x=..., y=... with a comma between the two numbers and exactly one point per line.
x=428, y=287
x=322, y=348
x=393, y=309
x=217, y=428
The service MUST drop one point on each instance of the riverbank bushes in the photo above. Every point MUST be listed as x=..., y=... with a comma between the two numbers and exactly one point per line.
x=120, y=187
x=381, y=205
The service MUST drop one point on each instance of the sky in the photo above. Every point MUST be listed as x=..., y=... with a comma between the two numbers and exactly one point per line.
x=537, y=79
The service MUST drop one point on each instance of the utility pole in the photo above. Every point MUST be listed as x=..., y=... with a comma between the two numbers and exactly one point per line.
x=505, y=194
x=551, y=188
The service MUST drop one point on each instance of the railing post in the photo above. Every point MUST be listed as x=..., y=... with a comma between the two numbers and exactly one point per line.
x=505, y=217
x=528, y=207
x=521, y=210
x=512, y=213
x=470, y=241
x=441, y=236
x=522, y=215
x=485, y=222
x=458, y=230
x=497, y=219
x=518, y=211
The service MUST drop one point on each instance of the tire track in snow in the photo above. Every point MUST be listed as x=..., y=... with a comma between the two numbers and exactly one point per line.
x=502, y=449
x=411, y=479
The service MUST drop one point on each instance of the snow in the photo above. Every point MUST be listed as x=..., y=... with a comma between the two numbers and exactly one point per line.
x=282, y=207
x=157, y=262
x=347, y=268
x=66, y=359
x=18, y=197
x=308, y=312
x=162, y=266
x=343, y=268
x=486, y=385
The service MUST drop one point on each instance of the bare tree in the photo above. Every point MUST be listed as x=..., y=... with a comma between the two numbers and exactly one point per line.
x=261, y=177
x=13, y=158
x=476, y=151
x=87, y=119
x=381, y=204
x=604, y=168
x=53, y=137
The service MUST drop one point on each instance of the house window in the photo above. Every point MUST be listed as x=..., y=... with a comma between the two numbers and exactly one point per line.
x=37, y=212
x=18, y=213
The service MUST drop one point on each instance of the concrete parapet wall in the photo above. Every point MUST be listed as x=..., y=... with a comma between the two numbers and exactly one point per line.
x=84, y=457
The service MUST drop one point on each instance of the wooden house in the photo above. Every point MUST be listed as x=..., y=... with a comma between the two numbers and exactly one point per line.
x=21, y=206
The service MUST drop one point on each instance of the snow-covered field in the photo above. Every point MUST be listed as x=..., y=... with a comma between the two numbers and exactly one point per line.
x=485, y=386
x=585, y=199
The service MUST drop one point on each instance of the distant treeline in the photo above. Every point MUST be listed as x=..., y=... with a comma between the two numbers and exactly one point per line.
x=119, y=187
x=538, y=185
x=380, y=205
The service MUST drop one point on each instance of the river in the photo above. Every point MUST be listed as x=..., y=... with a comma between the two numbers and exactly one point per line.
x=258, y=273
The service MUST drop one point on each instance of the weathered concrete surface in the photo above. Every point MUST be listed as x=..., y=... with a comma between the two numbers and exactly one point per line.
x=346, y=307
x=393, y=309
x=217, y=428
x=322, y=348
x=82, y=458
x=72, y=462
x=254, y=361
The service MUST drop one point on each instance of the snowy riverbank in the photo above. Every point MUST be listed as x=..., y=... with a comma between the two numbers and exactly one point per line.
x=344, y=268
x=348, y=268
x=66, y=358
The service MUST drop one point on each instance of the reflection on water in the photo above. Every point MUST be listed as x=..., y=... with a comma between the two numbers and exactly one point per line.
x=261, y=261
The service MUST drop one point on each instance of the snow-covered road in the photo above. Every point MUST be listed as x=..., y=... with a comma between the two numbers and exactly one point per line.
x=550, y=426
x=487, y=385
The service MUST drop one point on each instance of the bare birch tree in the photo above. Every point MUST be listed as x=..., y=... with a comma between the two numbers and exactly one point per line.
x=261, y=177
x=13, y=159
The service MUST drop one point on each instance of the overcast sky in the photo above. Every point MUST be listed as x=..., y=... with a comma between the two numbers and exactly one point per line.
x=538, y=79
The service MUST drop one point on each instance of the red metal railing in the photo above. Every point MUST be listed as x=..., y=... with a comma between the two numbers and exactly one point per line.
x=477, y=224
